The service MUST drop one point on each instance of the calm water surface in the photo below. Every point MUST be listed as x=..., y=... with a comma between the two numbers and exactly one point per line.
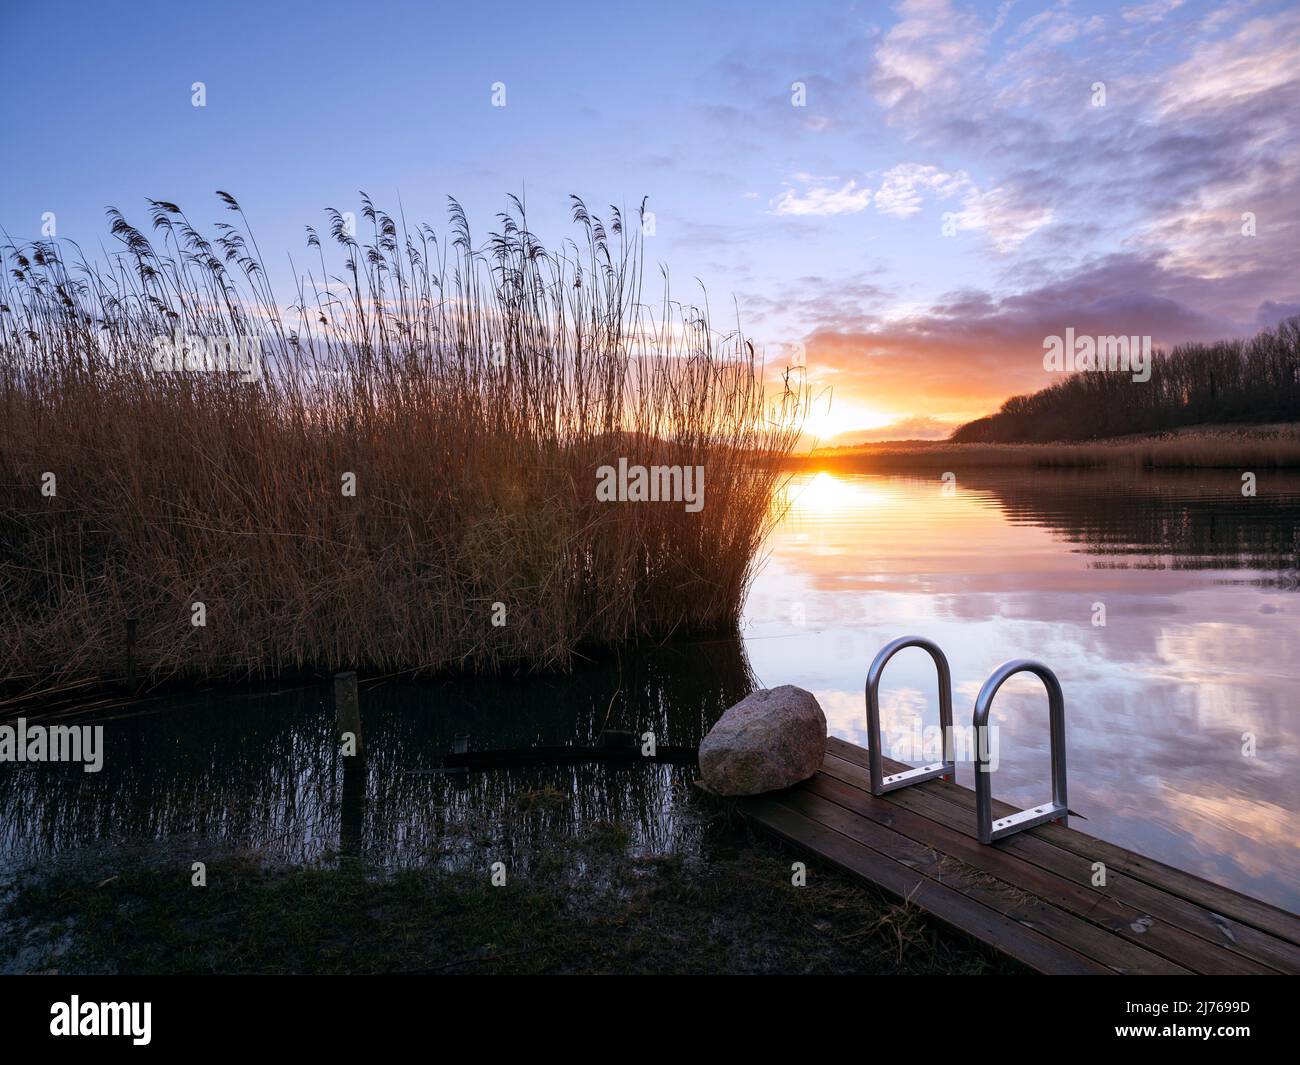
x=1200, y=647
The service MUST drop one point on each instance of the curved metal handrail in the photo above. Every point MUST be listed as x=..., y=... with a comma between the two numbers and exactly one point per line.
x=1058, y=808
x=946, y=768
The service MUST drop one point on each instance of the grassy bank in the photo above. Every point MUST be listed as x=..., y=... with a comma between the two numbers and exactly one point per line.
x=395, y=471
x=1257, y=448
x=590, y=907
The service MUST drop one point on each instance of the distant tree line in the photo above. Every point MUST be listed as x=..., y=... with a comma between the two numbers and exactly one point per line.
x=1255, y=380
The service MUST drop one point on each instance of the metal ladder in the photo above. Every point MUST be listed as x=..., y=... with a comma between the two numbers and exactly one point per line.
x=988, y=829
x=880, y=784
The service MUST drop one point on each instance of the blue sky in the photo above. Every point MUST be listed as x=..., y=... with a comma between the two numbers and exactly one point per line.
x=825, y=222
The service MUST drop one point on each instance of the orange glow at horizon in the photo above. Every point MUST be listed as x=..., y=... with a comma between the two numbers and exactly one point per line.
x=863, y=385
x=828, y=418
x=858, y=407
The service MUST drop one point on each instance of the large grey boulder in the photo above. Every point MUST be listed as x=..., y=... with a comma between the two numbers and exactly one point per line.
x=769, y=740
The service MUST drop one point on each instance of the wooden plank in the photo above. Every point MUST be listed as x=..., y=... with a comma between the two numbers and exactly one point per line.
x=1111, y=917
x=937, y=803
x=1218, y=914
x=1009, y=898
x=1242, y=939
x=951, y=907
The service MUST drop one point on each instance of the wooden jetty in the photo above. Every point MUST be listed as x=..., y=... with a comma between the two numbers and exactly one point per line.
x=1030, y=895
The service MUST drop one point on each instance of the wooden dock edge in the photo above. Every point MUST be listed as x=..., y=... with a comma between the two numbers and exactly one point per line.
x=1030, y=897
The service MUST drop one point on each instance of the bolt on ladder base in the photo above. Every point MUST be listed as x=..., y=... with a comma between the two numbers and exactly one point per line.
x=915, y=776
x=1018, y=822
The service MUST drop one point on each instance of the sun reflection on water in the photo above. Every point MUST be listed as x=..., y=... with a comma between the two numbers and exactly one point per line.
x=1197, y=647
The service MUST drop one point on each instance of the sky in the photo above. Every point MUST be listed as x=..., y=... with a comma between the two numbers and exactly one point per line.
x=912, y=195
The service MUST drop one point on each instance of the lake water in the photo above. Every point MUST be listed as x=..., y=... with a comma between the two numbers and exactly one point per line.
x=1200, y=649
x=1199, y=658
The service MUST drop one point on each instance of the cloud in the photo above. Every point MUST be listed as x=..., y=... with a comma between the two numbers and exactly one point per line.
x=823, y=200
x=924, y=52
x=1152, y=12
x=1054, y=27
x=1004, y=12
x=961, y=356
x=998, y=212
x=901, y=193
x=1220, y=75
x=1231, y=154
x=1182, y=148
x=920, y=427
x=851, y=303
x=1007, y=216
x=902, y=187
x=1270, y=313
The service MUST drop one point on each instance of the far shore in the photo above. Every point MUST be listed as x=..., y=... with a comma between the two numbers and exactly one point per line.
x=1273, y=446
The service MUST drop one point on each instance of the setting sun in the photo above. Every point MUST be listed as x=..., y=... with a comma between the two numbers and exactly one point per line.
x=829, y=417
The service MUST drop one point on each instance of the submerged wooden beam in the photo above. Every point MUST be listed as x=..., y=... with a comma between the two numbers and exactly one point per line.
x=567, y=755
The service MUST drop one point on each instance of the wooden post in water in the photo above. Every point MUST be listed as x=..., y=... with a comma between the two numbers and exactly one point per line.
x=347, y=711
x=352, y=807
x=347, y=719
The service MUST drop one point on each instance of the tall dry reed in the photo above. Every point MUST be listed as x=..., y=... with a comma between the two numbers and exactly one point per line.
x=470, y=387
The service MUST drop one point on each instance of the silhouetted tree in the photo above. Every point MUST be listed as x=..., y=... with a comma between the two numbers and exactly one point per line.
x=1255, y=380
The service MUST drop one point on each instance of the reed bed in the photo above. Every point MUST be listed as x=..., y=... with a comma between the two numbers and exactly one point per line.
x=471, y=388
x=1244, y=449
